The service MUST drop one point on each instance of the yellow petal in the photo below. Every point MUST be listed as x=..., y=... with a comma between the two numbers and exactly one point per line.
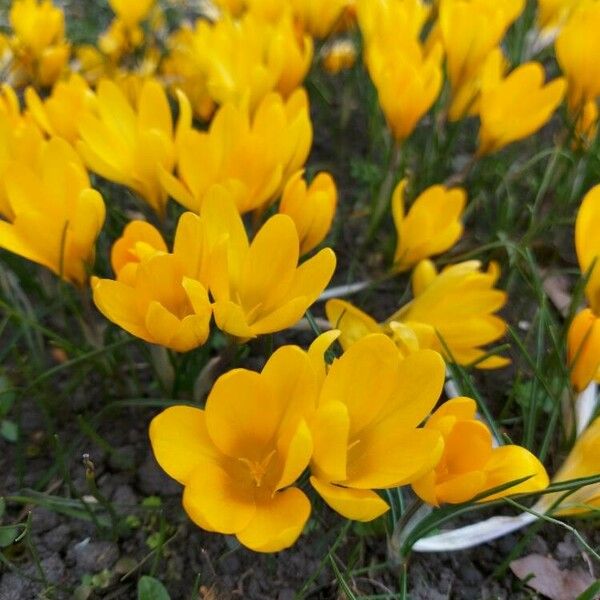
x=214, y=497
x=330, y=428
x=386, y=456
x=352, y=322
x=358, y=505
x=180, y=441
x=243, y=415
x=277, y=522
x=119, y=303
x=363, y=379
x=509, y=463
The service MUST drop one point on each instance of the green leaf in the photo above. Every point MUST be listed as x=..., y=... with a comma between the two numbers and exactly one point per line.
x=8, y=535
x=2, y=507
x=9, y=431
x=151, y=589
x=591, y=593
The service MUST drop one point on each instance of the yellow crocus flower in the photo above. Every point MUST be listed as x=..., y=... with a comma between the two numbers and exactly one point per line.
x=128, y=145
x=311, y=207
x=160, y=297
x=38, y=43
x=458, y=303
x=252, y=156
x=517, y=106
x=131, y=12
x=60, y=113
x=365, y=432
x=239, y=458
x=470, y=465
x=431, y=226
x=576, y=45
x=408, y=83
x=258, y=287
x=238, y=61
x=470, y=30
x=57, y=216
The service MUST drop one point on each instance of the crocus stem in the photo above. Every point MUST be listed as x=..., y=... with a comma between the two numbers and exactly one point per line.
x=385, y=191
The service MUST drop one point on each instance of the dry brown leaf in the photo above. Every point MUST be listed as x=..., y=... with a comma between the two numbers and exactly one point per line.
x=557, y=288
x=542, y=574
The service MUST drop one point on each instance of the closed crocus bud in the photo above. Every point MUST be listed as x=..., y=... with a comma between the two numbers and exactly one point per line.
x=577, y=41
x=408, y=83
x=340, y=56
x=517, y=106
x=319, y=18
x=365, y=430
x=431, y=226
x=131, y=12
x=469, y=465
x=160, y=297
x=258, y=287
x=57, y=216
x=311, y=207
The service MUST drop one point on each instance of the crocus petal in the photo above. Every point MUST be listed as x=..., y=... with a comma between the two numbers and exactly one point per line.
x=420, y=382
x=330, y=428
x=363, y=379
x=231, y=319
x=180, y=441
x=213, y=497
x=352, y=322
x=387, y=456
x=298, y=451
x=461, y=488
x=358, y=505
x=242, y=425
x=509, y=463
x=277, y=522
x=119, y=303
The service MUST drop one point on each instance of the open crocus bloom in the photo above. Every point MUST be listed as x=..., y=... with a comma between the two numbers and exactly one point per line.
x=431, y=226
x=456, y=304
x=57, y=216
x=583, y=341
x=258, y=287
x=128, y=145
x=239, y=458
x=365, y=428
x=280, y=129
x=470, y=465
x=159, y=297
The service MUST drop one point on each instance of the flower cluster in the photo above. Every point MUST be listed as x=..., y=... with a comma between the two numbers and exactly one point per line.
x=354, y=423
